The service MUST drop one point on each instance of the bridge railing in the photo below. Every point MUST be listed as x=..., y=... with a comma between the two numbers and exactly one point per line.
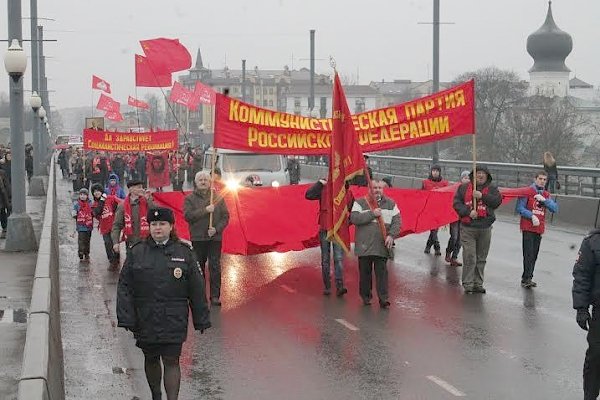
x=580, y=181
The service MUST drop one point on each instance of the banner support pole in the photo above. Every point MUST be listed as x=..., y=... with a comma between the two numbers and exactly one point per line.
x=212, y=192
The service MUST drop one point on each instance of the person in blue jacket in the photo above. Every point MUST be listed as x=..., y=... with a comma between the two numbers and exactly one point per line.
x=113, y=187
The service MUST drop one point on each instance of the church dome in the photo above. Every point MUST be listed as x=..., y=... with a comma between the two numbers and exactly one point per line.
x=549, y=46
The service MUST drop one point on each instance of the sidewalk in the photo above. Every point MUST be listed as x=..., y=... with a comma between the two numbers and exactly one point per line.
x=16, y=280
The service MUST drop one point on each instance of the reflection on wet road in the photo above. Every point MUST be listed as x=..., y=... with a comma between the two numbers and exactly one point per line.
x=276, y=336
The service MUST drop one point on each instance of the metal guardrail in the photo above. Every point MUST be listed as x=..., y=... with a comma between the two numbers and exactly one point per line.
x=580, y=181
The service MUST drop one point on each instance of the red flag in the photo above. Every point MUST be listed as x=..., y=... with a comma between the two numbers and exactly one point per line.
x=105, y=103
x=183, y=96
x=345, y=162
x=100, y=84
x=204, y=94
x=137, y=103
x=167, y=53
x=114, y=116
x=149, y=75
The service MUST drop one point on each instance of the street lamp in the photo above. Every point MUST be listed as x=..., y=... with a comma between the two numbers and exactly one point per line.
x=35, y=102
x=42, y=113
x=20, y=235
x=36, y=184
x=15, y=61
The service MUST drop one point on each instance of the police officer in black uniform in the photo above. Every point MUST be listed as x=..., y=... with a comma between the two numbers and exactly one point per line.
x=159, y=283
x=586, y=292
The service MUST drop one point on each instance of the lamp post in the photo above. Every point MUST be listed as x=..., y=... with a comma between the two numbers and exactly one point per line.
x=36, y=185
x=20, y=235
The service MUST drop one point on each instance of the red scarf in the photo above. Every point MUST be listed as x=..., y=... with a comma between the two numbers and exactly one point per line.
x=84, y=214
x=107, y=217
x=481, y=207
x=143, y=213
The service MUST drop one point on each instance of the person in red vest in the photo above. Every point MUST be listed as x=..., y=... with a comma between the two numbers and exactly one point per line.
x=476, y=225
x=533, y=221
x=130, y=217
x=434, y=181
x=104, y=207
x=82, y=213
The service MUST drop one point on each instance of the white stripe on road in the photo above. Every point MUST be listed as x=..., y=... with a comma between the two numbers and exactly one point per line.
x=288, y=289
x=347, y=324
x=8, y=317
x=446, y=386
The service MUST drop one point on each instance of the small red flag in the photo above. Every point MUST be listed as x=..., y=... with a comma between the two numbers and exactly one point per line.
x=204, y=94
x=105, y=103
x=137, y=103
x=167, y=53
x=114, y=116
x=183, y=96
x=100, y=84
x=149, y=75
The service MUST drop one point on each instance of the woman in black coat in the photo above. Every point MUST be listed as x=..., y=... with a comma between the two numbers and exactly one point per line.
x=159, y=283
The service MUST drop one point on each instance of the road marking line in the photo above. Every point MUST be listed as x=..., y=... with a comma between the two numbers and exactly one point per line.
x=446, y=386
x=346, y=324
x=288, y=289
x=8, y=317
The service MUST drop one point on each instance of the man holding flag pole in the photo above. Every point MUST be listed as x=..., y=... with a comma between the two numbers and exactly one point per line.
x=377, y=220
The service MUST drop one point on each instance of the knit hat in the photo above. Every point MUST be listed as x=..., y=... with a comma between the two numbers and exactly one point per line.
x=464, y=173
x=84, y=191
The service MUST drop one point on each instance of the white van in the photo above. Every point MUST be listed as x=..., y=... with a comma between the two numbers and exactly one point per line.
x=237, y=166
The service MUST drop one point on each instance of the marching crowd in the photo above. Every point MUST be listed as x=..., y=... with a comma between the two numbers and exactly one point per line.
x=163, y=278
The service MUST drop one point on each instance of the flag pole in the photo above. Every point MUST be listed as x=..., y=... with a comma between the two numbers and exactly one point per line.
x=137, y=109
x=474, y=170
x=212, y=169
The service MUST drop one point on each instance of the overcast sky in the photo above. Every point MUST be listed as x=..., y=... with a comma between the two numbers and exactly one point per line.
x=379, y=39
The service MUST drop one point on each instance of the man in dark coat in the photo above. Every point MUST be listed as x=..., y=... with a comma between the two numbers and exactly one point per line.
x=159, y=284
x=207, y=238
x=476, y=225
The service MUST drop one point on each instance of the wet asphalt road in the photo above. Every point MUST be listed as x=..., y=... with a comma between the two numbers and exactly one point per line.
x=278, y=337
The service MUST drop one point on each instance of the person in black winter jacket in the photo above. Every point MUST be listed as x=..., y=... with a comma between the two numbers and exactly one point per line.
x=158, y=286
x=586, y=293
x=476, y=225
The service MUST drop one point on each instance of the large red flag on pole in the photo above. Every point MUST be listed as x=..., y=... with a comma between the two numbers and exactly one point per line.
x=181, y=95
x=169, y=54
x=106, y=103
x=345, y=162
x=100, y=84
x=149, y=75
x=133, y=102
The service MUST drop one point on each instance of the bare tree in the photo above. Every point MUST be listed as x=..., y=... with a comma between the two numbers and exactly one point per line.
x=496, y=91
x=540, y=124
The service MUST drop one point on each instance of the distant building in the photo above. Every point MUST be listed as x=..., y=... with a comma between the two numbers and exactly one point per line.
x=403, y=90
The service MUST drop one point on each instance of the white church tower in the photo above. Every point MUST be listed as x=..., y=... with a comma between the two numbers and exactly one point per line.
x=549, y=47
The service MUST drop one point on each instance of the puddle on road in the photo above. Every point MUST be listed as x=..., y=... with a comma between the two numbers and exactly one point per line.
x=9, y=316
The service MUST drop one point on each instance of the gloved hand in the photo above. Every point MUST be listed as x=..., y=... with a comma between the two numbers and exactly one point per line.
x=539, y=198
x=583, y=318
x=535, y=220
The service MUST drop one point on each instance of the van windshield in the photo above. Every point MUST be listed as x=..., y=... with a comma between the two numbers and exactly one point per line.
x=251, y=162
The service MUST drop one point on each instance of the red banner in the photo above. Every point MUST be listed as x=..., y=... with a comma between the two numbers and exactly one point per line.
x=259, y=222
x=125, y=142
x=446, y=114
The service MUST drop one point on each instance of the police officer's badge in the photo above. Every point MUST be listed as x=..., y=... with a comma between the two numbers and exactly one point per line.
x=177, y=273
